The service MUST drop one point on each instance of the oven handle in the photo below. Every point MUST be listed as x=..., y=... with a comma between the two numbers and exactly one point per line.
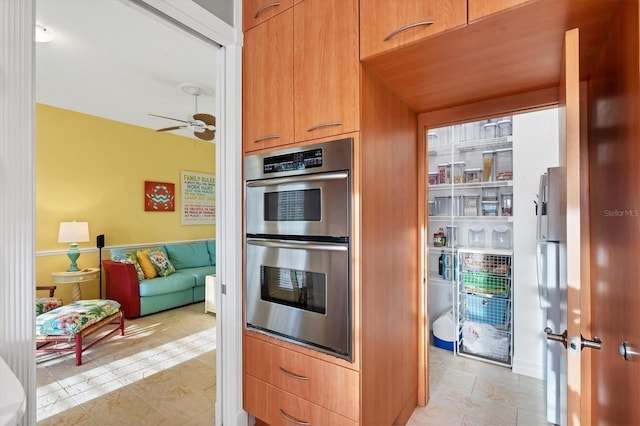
x=298, y=179
x=299, y=245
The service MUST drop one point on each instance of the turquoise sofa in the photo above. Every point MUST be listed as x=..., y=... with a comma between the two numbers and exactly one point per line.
x=182, y=268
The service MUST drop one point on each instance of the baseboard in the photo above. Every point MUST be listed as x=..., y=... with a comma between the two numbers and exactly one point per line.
x=526, y=368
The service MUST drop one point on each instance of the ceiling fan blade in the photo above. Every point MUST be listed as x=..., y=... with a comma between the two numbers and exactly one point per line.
x=169, y=118
x=171, y=128
x=207, y=119
x=206, y=135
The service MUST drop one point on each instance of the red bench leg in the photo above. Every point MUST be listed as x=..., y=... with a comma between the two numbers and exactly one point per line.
x=78, y=338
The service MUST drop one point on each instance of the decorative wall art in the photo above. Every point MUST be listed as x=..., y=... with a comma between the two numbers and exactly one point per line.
x=198, y=198
x=159, y=197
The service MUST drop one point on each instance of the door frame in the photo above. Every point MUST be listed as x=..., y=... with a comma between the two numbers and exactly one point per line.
x=17, y=142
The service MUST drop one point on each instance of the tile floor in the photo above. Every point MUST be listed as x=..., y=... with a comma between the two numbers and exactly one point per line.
x=162, y=372
x=465, y=391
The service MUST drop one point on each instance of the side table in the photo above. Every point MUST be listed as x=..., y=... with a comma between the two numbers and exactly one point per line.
x=210, y=294
x=75, y=278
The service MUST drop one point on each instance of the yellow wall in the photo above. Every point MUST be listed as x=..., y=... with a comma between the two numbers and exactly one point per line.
x=93, y=170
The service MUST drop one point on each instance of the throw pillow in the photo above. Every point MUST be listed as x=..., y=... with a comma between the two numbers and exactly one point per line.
x=163, y=266
x=129, y=257
x=145, y=263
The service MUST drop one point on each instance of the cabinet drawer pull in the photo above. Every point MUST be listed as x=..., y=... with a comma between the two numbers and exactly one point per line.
x=291, y=419
x=406, y=27
x=319, y=126
x=264, y=138
x=293, y=376
x=266, y=6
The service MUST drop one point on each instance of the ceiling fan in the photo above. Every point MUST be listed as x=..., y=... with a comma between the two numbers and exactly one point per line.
x=203, y=125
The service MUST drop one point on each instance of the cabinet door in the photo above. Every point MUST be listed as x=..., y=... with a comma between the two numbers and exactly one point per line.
x=326, y=68
x=255, y=12
x=267, y=80
x=389, y=24
x=481, y=8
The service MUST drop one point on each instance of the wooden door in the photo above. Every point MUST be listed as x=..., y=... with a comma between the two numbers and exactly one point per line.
x=327, y=69
x=614, y=164
x=267, y=83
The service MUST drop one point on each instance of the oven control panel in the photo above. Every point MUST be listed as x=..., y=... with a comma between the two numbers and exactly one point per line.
x=293, y=161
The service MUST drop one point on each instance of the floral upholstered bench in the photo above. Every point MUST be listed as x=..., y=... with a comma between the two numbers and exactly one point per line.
x=63, y=329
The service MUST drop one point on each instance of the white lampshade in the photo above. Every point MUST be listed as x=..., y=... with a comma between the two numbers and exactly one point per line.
x=73, y=232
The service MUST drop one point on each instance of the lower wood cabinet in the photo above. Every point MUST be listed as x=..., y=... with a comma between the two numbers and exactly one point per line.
x=277, y=407
x=314, y=382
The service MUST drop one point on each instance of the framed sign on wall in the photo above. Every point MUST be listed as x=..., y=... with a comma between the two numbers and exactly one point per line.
x=159, y=197
x=198, y=198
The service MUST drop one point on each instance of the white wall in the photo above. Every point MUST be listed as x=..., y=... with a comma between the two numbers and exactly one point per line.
x=535, y=147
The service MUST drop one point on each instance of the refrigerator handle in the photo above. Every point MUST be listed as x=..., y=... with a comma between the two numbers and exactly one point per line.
x=543, y=298
x=540, y=206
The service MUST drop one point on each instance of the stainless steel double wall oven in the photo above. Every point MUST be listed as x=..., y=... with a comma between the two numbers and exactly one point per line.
x=297, y=248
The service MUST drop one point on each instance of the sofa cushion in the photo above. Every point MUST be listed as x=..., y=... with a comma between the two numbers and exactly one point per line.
x=170, y=284
x=199, y=273
x=161, y=263
x=211, y=247
x=146, y=265
x=127, y=256
x=191, y=255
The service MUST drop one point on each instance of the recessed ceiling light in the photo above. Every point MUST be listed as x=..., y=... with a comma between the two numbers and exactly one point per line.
x=43, y=35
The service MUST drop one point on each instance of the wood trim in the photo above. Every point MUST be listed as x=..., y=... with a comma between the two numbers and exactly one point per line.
x=423, y=222
x=506, y=105
x=570, y=157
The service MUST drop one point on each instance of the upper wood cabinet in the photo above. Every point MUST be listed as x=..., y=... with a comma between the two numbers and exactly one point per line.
x=255, y=12
x=267, y=84
x=327, y=95
x=481, y=8
x=389, y=24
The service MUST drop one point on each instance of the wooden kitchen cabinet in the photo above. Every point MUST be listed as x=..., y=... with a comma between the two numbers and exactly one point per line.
x=388, y=24
x=277, y=407
x=255, y=12
x=327, y=95
x=309, y=378
x=267, y=79
x=481, y=8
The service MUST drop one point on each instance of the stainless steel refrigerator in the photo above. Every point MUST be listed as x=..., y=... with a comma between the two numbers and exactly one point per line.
x=552, y=286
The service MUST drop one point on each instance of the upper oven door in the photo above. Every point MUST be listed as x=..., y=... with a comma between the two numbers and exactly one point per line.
x=309, y=204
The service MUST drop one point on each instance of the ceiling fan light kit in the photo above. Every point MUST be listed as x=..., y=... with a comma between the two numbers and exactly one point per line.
x=202, y=124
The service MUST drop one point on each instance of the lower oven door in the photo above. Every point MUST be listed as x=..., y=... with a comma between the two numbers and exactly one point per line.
x=300, y=291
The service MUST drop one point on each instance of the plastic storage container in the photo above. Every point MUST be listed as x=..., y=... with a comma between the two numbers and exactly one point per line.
x=487, y=166
x=506, y=204
x=489, y=130
x=490, y=193
x=504, y=164
x=501, y=238
x=457, y=172
x=470, y=205
x=489, y=208
x=434, y=178
x=476, y=236
x=504, y=127
x=452, y=235
x=444, y=172
x=473, y=175
x=443, y=205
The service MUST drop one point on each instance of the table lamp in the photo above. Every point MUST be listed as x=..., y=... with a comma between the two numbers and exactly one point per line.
x=74, y=233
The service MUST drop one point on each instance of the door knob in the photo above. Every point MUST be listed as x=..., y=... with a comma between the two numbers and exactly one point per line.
x=627, y=352
x=576, y=343
x=562, y=338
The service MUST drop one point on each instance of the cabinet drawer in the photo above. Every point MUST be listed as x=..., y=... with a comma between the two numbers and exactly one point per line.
x=255, y=12
x=276, y=407
x=328, y=385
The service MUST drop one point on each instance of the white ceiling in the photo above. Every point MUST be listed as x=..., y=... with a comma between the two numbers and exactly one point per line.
x=113, y=59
